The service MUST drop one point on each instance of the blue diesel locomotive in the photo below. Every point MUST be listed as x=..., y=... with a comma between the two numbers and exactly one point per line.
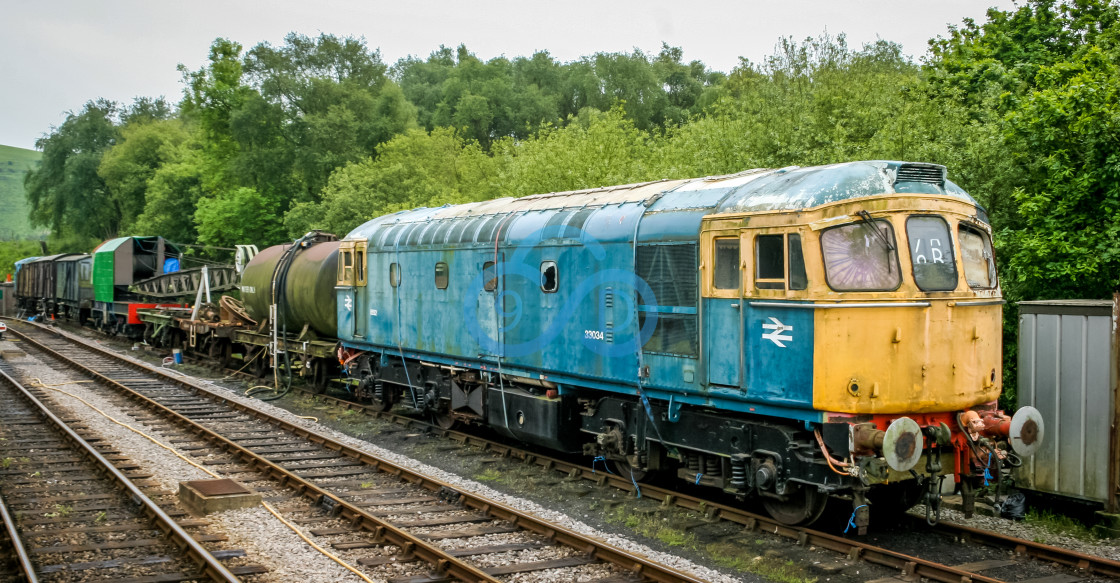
x=788, y=334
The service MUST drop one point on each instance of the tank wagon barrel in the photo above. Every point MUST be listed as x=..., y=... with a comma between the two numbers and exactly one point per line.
x=304, y=288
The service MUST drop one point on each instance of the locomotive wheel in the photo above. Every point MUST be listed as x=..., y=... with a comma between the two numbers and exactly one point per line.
x=803, y=505
x=624, y=469
x=443, y=420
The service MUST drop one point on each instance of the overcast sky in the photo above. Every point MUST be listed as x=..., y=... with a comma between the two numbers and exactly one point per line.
x=56, y=55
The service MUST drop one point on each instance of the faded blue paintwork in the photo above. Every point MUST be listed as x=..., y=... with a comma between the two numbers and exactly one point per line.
x=588, y=333
x=723, y=329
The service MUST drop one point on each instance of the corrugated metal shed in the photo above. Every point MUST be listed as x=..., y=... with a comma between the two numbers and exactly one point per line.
x=1068, y=371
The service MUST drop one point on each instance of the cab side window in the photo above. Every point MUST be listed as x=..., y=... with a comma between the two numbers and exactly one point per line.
x=726, y=271
x=360, y=264
x=977, y=257
x=770, y=262
x=345, y=265
x=797, y=278
x=779, y=262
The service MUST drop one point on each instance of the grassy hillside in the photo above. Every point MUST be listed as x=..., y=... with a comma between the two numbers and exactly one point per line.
x=14, y=163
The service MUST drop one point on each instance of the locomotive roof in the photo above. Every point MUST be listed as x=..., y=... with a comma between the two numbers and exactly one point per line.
x=761, y=189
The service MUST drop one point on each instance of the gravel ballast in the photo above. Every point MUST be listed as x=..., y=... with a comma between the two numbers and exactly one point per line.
x=264, y=537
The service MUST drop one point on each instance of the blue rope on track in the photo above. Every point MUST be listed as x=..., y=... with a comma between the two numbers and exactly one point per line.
x=852, y=520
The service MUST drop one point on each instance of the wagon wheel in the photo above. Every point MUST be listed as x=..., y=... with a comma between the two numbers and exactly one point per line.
x=319, y=377
x=220, y=351
x=803, y=505
x=442, y=418
x=259, y=366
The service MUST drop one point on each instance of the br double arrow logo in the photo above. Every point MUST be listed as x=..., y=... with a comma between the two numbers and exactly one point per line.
x=777, y=335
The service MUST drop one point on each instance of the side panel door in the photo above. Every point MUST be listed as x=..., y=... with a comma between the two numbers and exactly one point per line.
x=779, y=353
x=489, y=316
x=723, y=326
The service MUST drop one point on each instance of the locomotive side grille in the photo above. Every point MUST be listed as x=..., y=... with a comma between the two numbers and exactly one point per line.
x=671, y=272
x=928, y=173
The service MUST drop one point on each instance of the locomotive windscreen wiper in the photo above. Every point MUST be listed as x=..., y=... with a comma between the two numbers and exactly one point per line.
x=870, y=224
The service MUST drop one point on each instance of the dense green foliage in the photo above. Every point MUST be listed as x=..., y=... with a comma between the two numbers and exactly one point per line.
x=12, y=251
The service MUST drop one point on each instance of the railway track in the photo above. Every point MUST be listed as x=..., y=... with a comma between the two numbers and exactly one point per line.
x=908, y=565
x=75, y=509
x=382, y=518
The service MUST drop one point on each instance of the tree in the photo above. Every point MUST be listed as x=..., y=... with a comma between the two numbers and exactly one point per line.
x=1042, y=78
x=173, y=193
x=145, y=145
x=413, y=169
x=323, y=102
x=979, y=64
x=1069, y=130
x=238, y=216
x=599, y=149
x=65, y=192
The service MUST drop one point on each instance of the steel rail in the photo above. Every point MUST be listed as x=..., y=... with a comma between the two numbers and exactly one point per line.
x=207, y=563
x=443, y=562
x=22, y=556
x=1087, y=563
